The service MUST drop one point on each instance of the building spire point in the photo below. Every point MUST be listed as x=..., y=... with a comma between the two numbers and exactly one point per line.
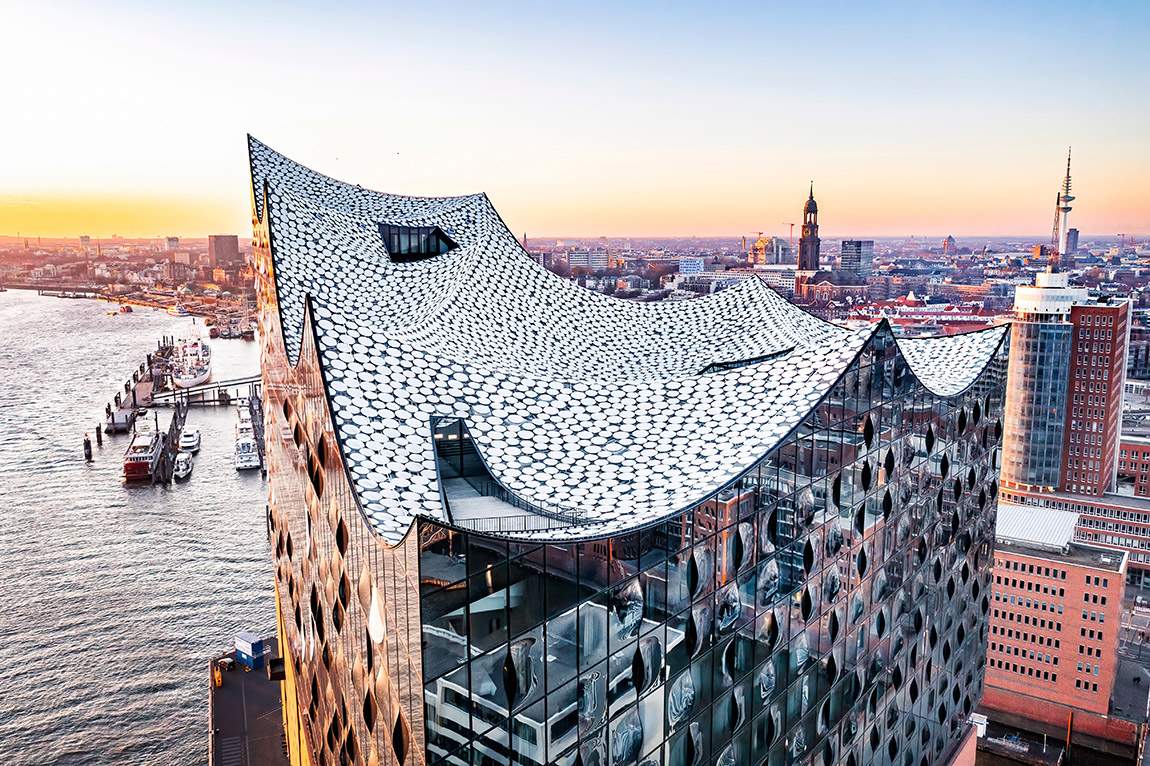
x=1066, y=186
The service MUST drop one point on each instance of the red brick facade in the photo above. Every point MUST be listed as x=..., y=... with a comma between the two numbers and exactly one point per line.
x=1054, y=630
x=1059, y=715
x=1134, y=463
x=1094, y=401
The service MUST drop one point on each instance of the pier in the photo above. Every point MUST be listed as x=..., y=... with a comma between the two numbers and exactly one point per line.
x=162, y=474
x=139, y=390
x=245, y=716
x=256, y=407
x=57, y=289
x=222, y=392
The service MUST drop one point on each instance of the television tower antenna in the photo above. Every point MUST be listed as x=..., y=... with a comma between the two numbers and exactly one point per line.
x=1063, y=210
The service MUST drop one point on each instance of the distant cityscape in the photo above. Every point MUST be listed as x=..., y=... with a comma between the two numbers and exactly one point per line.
x=922, y=286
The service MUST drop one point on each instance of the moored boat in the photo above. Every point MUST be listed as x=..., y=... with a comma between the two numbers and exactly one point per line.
x=183, y=466
x=142, y=455
x=247, y=456
x=244, y=429
x=192, y=363
x=178, y=310
x=190, y=440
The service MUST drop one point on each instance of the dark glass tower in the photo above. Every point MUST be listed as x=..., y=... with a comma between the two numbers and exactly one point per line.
x=515, y=521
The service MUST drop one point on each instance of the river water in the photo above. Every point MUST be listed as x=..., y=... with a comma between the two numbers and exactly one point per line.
x=114, y=597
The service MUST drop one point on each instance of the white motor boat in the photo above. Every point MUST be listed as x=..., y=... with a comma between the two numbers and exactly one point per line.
x=190, y=440
x=183, y=468
x=247, y=456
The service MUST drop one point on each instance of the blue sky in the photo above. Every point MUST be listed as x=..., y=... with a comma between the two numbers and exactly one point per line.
x=596, y=118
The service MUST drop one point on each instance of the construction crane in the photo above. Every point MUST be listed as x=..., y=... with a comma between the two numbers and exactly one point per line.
x=785, y=223
x=1122, y=240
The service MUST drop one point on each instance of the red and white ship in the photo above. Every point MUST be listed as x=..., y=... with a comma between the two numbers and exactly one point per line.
x=142, y=455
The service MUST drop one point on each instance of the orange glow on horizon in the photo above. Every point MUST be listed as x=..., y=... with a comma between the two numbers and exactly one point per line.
x=649, y=199
x=126, y=215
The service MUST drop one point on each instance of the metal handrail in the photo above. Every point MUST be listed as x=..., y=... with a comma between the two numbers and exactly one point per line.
x=494, y=489
x=531, y=522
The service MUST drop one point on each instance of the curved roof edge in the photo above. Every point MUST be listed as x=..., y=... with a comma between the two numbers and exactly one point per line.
x=992, y=339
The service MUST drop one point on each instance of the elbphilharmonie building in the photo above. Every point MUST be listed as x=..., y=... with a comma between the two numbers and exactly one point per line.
x=515, y=521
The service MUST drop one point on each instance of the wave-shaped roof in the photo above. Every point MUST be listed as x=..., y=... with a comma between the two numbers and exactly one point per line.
x=577, y=402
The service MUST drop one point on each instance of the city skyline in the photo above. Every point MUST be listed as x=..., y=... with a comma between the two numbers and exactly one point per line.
x=627, y=122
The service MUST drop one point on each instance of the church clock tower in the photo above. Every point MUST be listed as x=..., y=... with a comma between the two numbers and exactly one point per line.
x=809, y=242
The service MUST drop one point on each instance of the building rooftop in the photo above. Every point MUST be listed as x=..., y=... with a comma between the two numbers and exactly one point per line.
x=1037, y=527
x=610, y=413
x=1120, y=501
x=1048, y=533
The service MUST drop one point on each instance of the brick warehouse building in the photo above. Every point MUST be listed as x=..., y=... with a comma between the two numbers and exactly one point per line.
x=516, y=521
x=1054, y=630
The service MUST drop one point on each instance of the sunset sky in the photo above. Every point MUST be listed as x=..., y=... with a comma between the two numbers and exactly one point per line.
x=594, y=119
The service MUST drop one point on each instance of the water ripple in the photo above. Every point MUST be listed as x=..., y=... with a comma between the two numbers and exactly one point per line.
x=112, y=598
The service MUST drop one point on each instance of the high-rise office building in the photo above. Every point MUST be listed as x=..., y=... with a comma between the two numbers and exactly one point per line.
x=1071, y=242
x=517, y=522
x=857, y=257
x=173, y=243
x=224, y=251
x=1097, y=377
x=809, y=241
x=1064, y=402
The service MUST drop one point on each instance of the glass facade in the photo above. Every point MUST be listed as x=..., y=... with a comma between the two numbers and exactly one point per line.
x=414, y=243
x=1036, y=402
x=829, y=606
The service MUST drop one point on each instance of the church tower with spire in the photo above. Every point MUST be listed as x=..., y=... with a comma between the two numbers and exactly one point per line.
x=809, y=242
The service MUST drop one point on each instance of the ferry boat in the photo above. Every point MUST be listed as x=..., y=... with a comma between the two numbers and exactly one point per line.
x=190, y=441
x=247, y=456
x=244, y=429
x=192, y=363
x=143, y=454
x=247, y=452
x=179, y=311
x=126, y=309
x=183, y=466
